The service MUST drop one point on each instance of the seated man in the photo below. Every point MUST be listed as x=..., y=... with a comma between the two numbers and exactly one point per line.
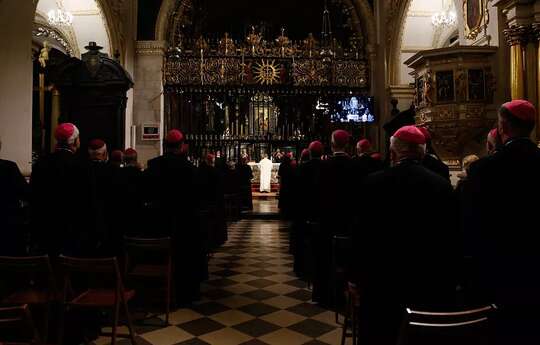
x=400, y=259
x=14, y=189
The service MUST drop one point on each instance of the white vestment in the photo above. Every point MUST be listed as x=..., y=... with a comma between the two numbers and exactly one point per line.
x=265, y=168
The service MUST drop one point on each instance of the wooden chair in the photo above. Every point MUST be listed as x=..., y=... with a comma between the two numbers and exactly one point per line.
x=89, y=297
x=137, y=249
x=350, y=316
x=465, y=327
x=341, y=249
x=17, y=326
x=34, y=284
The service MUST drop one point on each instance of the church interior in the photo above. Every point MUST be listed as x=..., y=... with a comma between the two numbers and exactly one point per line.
x=269, y=172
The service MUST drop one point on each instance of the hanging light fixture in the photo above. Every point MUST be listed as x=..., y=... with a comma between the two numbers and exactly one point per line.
x=60, y=17
x=443, y=19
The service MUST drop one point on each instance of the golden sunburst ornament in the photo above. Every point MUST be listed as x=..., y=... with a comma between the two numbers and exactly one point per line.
x=266, y=72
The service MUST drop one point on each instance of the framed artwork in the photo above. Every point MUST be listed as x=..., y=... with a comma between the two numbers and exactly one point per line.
x=445, y=86
x=476, y=87
x=150, y=131
x=476, y=17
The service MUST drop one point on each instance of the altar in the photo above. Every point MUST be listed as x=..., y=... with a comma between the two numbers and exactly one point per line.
x=257, y=173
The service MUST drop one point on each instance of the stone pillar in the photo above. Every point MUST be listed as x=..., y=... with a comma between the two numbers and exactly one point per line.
x=148, y=94
x=516, y=37
x=16, y=21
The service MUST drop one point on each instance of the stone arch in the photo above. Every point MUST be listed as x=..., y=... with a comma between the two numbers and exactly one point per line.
x=363, y=20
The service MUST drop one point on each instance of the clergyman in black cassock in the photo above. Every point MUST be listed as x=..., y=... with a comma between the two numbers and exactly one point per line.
x=63, y=200
x=171, y=191
x=337, y=180
x=501, y=227
x=405, y=248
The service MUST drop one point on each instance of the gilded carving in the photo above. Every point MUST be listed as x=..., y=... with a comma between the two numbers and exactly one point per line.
x=476, y=17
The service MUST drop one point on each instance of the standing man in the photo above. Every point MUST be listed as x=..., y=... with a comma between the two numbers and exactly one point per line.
x=13, y=191
x=170, y=188
x=404, y=260
x=61, y=182
x=364, y=164
x=502, y=225
x=265, y=170
x=337, y=181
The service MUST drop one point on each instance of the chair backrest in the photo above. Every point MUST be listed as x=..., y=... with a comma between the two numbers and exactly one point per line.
x=29, y=267
x=151, y=244
x=147, y=251
x=88, y=265
x=462, y=327
x=16, y=325
x=87, y=273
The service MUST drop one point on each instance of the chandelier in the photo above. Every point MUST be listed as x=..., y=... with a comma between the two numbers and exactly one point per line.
x=444, y=19
x=60, y=17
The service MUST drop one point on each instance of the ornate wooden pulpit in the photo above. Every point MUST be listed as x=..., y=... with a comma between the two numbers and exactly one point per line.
x=93, y=96
x=454, y=98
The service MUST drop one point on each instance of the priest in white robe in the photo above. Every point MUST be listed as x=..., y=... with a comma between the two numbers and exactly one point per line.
x=265, y=168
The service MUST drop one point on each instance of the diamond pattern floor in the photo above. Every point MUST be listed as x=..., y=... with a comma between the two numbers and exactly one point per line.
x=251, y=298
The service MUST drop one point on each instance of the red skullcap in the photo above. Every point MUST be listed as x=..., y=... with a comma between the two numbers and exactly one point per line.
x=130, y=152
x=316, y=147
x=377, y=156
x=521, y=109
x=210, y=157
x=410, y=134
x=96, y=144
x=116, y=156
x=425, y=132
x=340, y=137
x=66, y=132
x=174, y=137
x=364, y=144
x=305, y=154
x=290, y=155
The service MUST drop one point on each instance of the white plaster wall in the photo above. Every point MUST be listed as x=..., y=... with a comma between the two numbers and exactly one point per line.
x=88, y=23
x=147, y=99
x=418, y=32
x=16, y=81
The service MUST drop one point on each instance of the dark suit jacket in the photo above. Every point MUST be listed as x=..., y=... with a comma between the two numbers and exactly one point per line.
x=437, y=166
x=13, y=190
x=310, y=190
x=170, y=186
x=337, y=182
x=406, y=247
x=501, y=226
x=64, y=205
x=364, y=165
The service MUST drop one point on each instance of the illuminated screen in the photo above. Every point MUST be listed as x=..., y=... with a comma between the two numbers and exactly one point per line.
x=354, y=109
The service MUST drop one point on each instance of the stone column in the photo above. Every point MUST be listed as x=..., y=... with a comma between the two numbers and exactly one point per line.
x=516, y=37
x=148, y=94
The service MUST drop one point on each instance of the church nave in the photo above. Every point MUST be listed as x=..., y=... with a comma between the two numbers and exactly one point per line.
x=252, y=297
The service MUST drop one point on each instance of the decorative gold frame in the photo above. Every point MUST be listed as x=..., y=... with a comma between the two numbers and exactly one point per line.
x=471, y=33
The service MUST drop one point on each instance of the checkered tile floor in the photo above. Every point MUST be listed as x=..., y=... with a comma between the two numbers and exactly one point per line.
x=251, y=298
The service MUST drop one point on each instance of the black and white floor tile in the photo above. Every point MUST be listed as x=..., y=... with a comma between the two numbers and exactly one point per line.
x=251, y=298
